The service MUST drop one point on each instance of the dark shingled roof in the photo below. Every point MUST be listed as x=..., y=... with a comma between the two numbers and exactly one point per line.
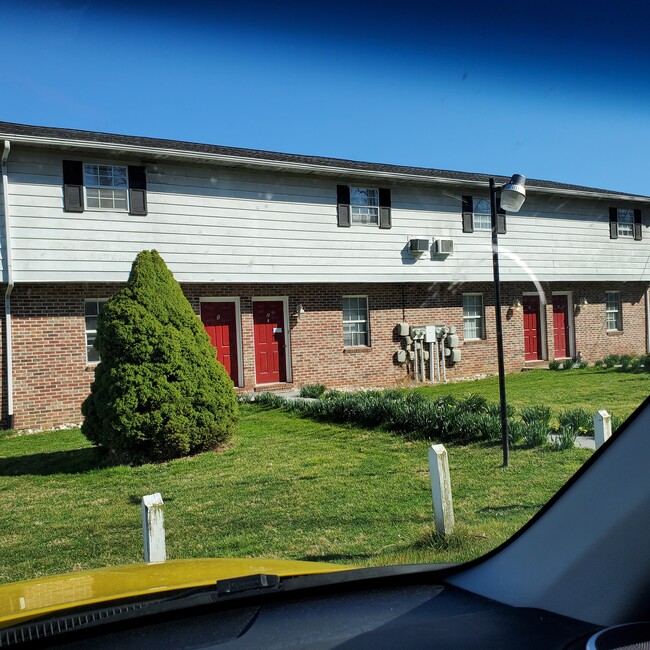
x=9, y=128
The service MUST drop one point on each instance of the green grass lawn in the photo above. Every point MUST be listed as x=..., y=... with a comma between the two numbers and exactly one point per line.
x=618, y=392
x=286, y=487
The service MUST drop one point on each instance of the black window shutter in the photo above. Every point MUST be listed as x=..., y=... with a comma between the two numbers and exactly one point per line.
x=137, y=190
x=613, y=223
x=501, y=218
x=73, y=184
x=384, y=208
x=637, y=225
x=343, y=208
x=468, y=216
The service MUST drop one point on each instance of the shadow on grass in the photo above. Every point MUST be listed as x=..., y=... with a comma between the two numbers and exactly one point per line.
x=516, y=506
x=335, y=557
x=74, y=461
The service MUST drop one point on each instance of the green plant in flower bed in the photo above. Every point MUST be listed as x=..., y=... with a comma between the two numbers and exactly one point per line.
x=567, y=364
x=312, y=390
x=625, y=360
x=611, y=360
x=564, y=439
x=578, y=419
x=582, y=365
x=554, y=365
x=599, y=364
x=536, y=420
x=636, y=365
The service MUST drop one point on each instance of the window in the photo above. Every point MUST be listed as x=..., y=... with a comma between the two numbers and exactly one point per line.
x=355, y=321
x=106, y=186
x=472, y=316
x=91, y=310
x=481, y=214
x=364, y=204
x=625, y=222
x=613, y=310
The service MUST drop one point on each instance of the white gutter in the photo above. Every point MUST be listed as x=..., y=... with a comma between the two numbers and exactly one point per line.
x=10, y=283
x=299, y=167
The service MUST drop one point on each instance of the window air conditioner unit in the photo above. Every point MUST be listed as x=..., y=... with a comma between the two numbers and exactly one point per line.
x=418, y=246
x=444, y=246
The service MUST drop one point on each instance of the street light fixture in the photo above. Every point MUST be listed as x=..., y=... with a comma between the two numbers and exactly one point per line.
x=513, y=195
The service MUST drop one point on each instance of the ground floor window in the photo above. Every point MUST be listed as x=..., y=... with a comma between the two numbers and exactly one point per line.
x=91, y=310
x=613, y=310
x=472, y=316
x=356, y=331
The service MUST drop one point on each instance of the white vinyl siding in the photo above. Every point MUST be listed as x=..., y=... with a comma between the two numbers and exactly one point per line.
x=213, y=223
x=364, y=204
x=613, y=310
x=472, y=316
x=625, y=222
x=481, y=215
x=92, y=307
x=106, y=187
x=355, y=322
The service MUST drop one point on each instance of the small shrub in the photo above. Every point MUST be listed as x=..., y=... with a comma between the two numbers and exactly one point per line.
x=565, y=438
x=534, y=433
x=516, y=432
x=579, y=420
x=312, y=390
x=245, y=398
x=599, y=364
x=610, y=360
x=582, y=365
x=474, y=403
x=494, y=408
x=625, y=360
x=536, y=414
x=645, y=362
x=567, y=364
x=554, y=365
x=616, y=422
x=270, y=400
x=636, y=365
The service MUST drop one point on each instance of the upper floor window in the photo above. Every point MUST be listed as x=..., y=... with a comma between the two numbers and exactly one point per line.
x=106, y=186
x=481, y=214
x=613, y=310
x=92, y=308
x=356, y=330
x=364, y=204
x=472, y=316
x=477, y=215
x=625, y=222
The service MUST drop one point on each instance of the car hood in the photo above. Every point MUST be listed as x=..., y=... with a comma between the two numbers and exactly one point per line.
x=21, y=601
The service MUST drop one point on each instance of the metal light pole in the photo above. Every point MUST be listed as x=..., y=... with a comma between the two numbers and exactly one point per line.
x=513, y=195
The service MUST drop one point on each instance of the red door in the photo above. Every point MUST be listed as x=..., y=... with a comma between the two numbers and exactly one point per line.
x=220, y=322
x=532, y=343
x=268, y=323
x=561, y=326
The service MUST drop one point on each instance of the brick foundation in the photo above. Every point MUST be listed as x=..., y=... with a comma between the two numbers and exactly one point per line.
x=51, y=376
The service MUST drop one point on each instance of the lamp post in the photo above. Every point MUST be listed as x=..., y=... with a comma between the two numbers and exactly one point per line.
x=513, y=195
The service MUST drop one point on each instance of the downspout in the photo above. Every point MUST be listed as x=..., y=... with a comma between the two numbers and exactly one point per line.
x=10, y=284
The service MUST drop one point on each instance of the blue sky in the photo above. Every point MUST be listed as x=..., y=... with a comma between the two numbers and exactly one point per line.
x=563, y=97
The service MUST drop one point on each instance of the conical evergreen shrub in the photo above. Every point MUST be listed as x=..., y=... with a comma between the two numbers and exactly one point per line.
x=159, y=392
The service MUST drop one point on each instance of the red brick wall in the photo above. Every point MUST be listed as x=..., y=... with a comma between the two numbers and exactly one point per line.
x=51, y=376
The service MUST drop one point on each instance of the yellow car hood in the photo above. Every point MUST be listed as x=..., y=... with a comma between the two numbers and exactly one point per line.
x=21, y=601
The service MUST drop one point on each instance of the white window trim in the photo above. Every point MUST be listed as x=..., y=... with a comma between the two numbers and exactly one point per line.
x=618, y=311
x=87, y=331
x=287, y=338
x=343, y=321
x=619, y=224
x=352, y=206
x=240, y=347
x=482, y=316
x=480, y=198
x=103, y=187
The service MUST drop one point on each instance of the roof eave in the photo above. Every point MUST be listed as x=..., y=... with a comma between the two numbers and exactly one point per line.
x=294, y=167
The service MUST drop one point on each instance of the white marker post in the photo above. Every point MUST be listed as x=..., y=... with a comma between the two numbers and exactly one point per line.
x=443, y=509
x=153, y=528
x=602, y=427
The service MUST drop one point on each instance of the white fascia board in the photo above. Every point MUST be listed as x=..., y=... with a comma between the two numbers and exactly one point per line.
x=295, y=167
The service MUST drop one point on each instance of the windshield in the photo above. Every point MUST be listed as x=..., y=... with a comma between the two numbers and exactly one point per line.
x=271, y=290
